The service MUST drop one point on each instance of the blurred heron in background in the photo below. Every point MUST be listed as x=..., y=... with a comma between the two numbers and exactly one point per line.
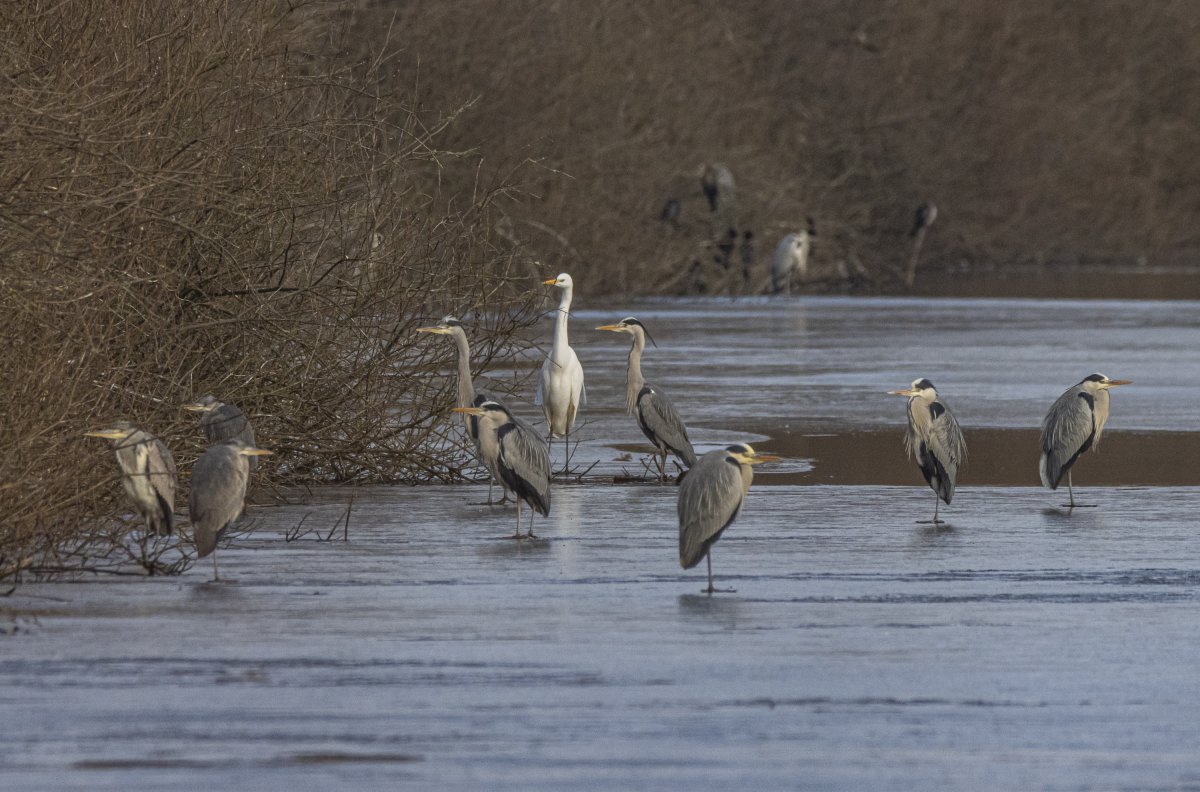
x=221, y=421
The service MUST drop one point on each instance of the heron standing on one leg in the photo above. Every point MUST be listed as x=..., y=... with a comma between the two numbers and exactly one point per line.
x=710, y=497
x=560, y=390
x=218, y=493
x=1073, y=425
x=933, y=439
x=221, y=421
x=522, y=457
x=467, y=397
x=147, y=474
x=655, y=413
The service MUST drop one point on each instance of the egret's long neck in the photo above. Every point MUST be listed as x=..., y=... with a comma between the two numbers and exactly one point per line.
x=634, y=379
x=560, y=325
x=466, y=388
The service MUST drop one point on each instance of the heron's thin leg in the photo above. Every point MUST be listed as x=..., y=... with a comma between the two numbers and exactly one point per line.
x=935, y=507
x=517, y=535
x=1070, y=490
x=530, y=534
x=710, y=588
x=216, y=575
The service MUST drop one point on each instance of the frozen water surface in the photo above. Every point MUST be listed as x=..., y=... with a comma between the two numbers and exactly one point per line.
x=1021, y=646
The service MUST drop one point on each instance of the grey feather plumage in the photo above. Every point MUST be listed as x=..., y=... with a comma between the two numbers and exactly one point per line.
x=662, y=425
x=710, y=497
x=1073, y=425
x=149, y=477
x=221, y=421
x=935, y=440
x=520, y=456
x=218, y=493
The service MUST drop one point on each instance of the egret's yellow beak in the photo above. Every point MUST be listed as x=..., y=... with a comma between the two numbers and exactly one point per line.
x=906, y=392
x=550, y=282
x=437, y=330
x=107, y=434
x=615, y=328
x=255, y=452
x=1112, y=383
x=468, y=410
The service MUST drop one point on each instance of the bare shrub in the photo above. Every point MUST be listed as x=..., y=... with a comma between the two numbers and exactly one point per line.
x=213, y=197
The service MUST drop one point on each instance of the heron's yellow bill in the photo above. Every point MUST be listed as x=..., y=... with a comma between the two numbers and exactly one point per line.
x=550, y=282
x=1111, y=383
x=255, y=452
x=107, y=434
x=615, y=328
x=438, y=330
x=468, y=410
x=758, y=459
x=906, y=392
x=196, y=407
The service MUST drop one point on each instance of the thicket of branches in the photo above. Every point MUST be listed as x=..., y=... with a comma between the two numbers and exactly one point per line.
x=1044, y=131
x=201, y=196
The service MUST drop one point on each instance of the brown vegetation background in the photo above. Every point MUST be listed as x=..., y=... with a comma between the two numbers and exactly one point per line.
x=263, y=199
x=1047, y=132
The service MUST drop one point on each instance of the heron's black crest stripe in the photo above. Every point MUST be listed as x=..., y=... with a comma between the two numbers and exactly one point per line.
x=1095, y=378
x=936, y=409
x=450, y=321
x=923, y=384
x=633, y=320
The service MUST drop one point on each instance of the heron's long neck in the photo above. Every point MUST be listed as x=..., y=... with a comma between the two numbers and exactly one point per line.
x=466, y=388
x=560, y=326
x=635, y=380
x=1100, y=410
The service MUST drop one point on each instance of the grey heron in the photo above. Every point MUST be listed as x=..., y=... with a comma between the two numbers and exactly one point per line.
x=522, y=457
x=791, y=257
x=710, y=497
x=926, y=214
x=147, y=473
x=1074, y=425
x=933, y=439
x=655, y=413
x=218, y=492
x=221, y=421
x=718, y=185
x=560, y=391
x=467, y=397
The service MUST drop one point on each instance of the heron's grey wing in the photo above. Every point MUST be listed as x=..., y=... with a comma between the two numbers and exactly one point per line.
x=710, y=496
x=658, y=417
x=947, y=445
x=1067, y=432
x=227, y=422
x=165, y=480
x=218, y=490
x=525, y=458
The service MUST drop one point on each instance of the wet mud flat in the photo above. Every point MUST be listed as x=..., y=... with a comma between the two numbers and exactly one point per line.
x=1020, y=646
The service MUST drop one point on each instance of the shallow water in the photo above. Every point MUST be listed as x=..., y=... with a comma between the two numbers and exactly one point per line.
x=1020, y=646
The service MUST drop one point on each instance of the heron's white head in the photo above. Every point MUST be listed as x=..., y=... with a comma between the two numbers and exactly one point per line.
x=1098, y=382
x=563, y=281
x=205, y=404
x=447, y=326
x=922, y=388
x=745, y=455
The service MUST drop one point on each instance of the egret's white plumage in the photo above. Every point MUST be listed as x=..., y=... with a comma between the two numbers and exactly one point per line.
x=560, y=390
